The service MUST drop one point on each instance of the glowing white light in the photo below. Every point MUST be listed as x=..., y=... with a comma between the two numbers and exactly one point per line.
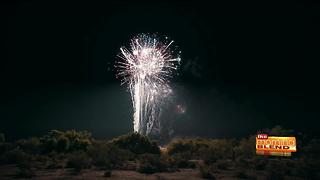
x=146, y=67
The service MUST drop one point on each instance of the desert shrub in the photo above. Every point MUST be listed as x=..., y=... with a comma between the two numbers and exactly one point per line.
x=99, y=153
x=275, y=169
x=219, y=149
x=54, y=165
x=305, y=169
x=63, y=144
x=260, y=164
x=49, y=144
x=129, y=166
x=273, y=174
x=242, y=163
x=25, y=163
x=42, y=158
x=185, y=164
x=222, y=148
x=56, y=161
x=246, y=148
x=178, y=161
x=67, y=141
x=16, y=156
x=25, y=173
x=136, y=143
x=107, y=155
x=206, y=172
x=222, y=164
x=208, y=155
x=4, y=148
x=205, y=149
x=241, y=174
x=79, y=140
x=146, y=168
x=151, y=163
x=187, y=147
x=78, y=160
x=47, y=162
x=31, y=145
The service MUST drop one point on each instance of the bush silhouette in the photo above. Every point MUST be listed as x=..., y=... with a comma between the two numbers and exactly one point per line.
x=246, y=148
x=78, y=150
x=31, y=145
x=63, y=144
x=208, y=150
x=67, y=141
x=180, y=161
x=187, y=147
x=78, y=161
x=16, y=156
x=151, y=163
x=107, y=155
x=241, y=174
x=136, y=143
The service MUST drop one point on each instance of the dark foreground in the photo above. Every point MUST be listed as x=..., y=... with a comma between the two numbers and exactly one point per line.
x=76, y=155
x=9, y=172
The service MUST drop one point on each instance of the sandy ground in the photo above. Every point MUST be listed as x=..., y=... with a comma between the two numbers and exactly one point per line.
x=9, y=172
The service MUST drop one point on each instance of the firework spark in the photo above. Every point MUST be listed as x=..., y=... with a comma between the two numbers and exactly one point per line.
x=146, y=68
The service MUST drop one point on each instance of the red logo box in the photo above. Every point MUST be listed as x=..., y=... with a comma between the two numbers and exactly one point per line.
x=262, y=136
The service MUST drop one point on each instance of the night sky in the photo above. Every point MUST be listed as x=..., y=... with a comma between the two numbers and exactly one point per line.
x=244, y=66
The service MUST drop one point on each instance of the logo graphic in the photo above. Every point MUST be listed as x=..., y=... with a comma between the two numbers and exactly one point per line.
x=274, y=145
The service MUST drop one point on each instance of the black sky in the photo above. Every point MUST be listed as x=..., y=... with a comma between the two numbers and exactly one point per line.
x=245, y=66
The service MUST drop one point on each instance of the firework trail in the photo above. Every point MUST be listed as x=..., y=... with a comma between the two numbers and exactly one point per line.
x=146, y=67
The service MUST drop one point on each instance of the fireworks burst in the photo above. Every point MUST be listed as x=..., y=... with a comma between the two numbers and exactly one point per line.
x=146, y=68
